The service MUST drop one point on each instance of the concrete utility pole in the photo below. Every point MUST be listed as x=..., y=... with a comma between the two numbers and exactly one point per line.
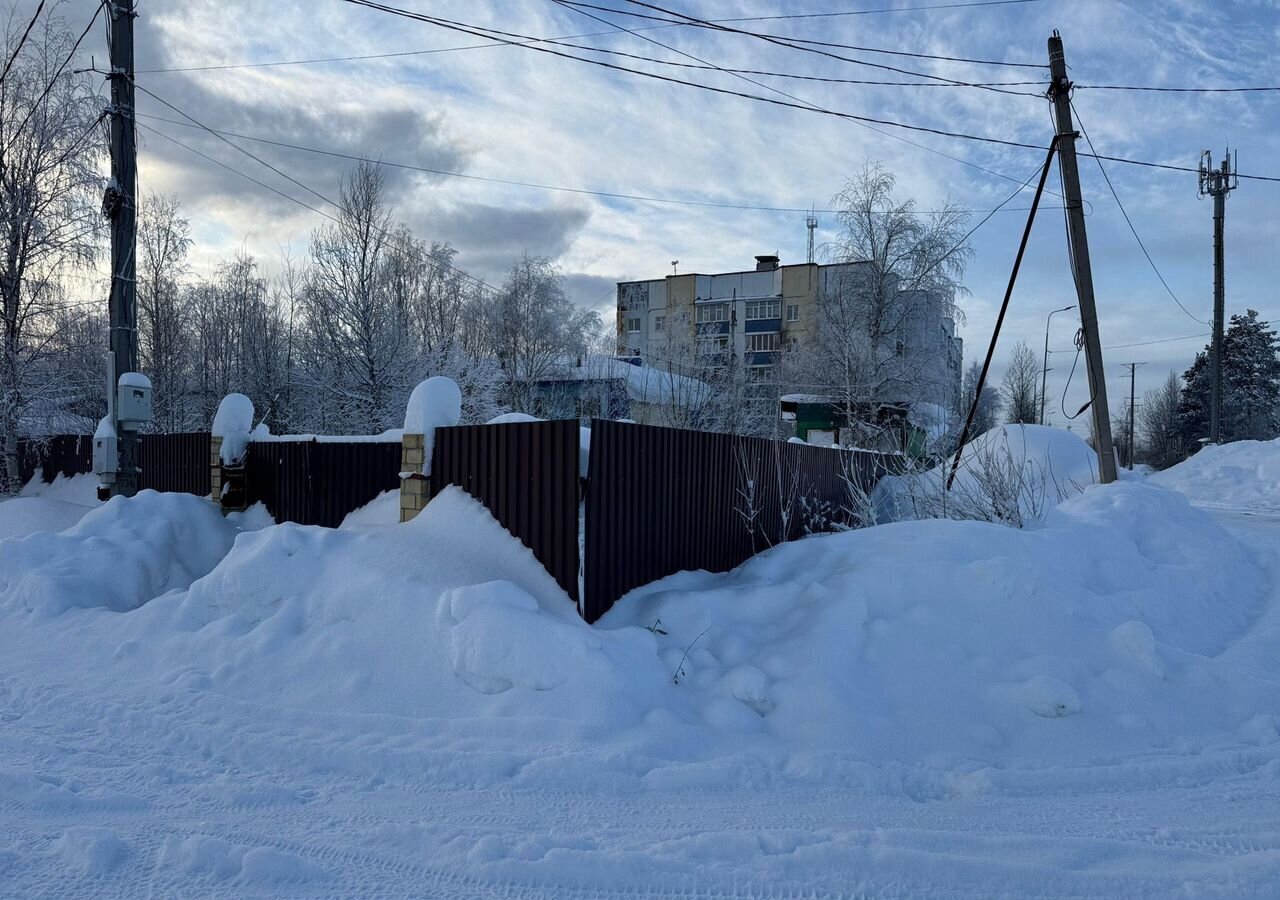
x=1044, y=375
x=120, y=206
x=1217, y=183
x=1060, y=95
x=1133, y=368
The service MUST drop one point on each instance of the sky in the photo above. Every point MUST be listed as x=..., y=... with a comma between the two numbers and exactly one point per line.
x=516, y=114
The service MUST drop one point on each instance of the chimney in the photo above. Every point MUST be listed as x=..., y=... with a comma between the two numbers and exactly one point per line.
x=766, y=263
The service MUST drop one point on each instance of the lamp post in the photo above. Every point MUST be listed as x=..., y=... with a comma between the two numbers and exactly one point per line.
x=1044, y=376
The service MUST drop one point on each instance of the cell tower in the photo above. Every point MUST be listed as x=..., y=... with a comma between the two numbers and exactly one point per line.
x=1217, y=183
x=811, y=223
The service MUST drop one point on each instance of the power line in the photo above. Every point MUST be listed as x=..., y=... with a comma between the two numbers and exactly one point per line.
x=1189, y=337
x=21, y=42
x=1129, y=221
x=613, y=195
x=454, y=26
x=479, y=282
x=56, y=75
x=865, y=12
x=715, y=24
x=1174, y=90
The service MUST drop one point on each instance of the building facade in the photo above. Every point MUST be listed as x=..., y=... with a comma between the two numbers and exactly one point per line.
x=745, y=319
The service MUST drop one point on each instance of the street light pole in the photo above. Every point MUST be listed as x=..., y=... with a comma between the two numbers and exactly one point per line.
x=1044, y=376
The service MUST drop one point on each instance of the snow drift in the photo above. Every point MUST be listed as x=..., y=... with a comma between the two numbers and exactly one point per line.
x=1244, y=474
x=1012, y=474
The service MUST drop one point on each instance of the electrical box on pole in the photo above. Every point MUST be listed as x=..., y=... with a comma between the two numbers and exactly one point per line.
x=1078, y=242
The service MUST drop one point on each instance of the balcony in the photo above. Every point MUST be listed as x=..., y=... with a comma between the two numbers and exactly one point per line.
x=705, y=329
x=762, y=326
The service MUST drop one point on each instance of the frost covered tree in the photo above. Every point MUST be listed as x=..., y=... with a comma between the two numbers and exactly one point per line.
x=1021, y=386
x=361, y=362
x=532, y=327
x=164, y=239
x=903, y=270
x=1160, y=426
x=987, y=415
x=50, y=188
x=1250, y=384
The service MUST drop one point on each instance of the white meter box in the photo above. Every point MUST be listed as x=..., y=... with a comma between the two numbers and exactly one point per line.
x=133, y=399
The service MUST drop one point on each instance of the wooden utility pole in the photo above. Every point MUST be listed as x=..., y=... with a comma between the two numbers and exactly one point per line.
x=1133, y=368
x=120, y=206
x=1060, y=95
x=1217, y=183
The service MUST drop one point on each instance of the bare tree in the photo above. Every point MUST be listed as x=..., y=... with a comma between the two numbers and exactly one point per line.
x=49, y=222
x=1161, y=426
x=987, y=415
x=363, y=364
x=164, y=237
x=533, y=327
x=1021, y=386
x=899, y=276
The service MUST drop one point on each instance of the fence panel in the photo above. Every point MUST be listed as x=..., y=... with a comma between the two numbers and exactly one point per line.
x=526, y=474
x=665, y=500
x=175, y=462
x=61, y=454
x=319, y=482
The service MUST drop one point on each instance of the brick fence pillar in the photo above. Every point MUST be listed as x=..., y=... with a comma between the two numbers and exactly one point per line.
x=413, y=484
x=215, y=469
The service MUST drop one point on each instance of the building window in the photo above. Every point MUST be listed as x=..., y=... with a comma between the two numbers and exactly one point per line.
x=764, y=309
x=659, y=323
x=633, y=323
x=713, y=312
x=793, y=312
x=714, y=345
x=762, y=342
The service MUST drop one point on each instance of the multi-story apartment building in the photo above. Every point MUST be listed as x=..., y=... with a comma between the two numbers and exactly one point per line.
x=685, y=321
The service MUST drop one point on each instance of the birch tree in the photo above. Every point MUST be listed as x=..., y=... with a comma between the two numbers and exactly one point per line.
x=50, y=151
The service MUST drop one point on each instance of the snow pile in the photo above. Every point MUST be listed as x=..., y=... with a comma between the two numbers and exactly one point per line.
x=512, y=417
x=947, y=640
x=118, y=556
x=1012, y=474
x=234, y=424
x=447, y=615
x=383, y=509
x=48, y=507
x=435, y=403
x=1245, y=474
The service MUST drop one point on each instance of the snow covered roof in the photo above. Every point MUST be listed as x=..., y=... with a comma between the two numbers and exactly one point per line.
x=644, y=384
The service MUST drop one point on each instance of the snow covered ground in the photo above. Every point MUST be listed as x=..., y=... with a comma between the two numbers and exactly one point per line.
x=192, y=706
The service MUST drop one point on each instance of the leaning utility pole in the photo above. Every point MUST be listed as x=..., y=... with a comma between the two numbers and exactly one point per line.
x=1060, y=95
x=1217, y=183
x=120, y=206
x=1133, y=368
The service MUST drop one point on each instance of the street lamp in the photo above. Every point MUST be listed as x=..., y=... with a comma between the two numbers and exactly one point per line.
x=1044, y=376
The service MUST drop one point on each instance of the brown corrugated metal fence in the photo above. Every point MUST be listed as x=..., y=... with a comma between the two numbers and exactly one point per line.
x=175, y=462
x=665, y=500
x=526, y=473
x=314, y=482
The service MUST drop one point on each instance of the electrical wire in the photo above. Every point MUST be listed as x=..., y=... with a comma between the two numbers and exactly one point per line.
x=612, y=195
x=56, y=75
x=443, y=23
x=1188, y=337
x=1175, y=90
x=21, y=42
x=479, y=282
x=716, y=24
x=1129, y=221
x=531, y=43
x=867, y=12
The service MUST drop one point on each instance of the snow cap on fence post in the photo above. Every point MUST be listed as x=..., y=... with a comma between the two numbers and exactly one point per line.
x=435, y=403
x=233, y=423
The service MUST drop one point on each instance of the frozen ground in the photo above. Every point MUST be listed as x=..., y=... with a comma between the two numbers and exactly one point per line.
x=1084, y=708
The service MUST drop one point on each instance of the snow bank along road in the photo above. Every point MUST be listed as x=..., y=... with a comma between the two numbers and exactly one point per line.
x=196, y=707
